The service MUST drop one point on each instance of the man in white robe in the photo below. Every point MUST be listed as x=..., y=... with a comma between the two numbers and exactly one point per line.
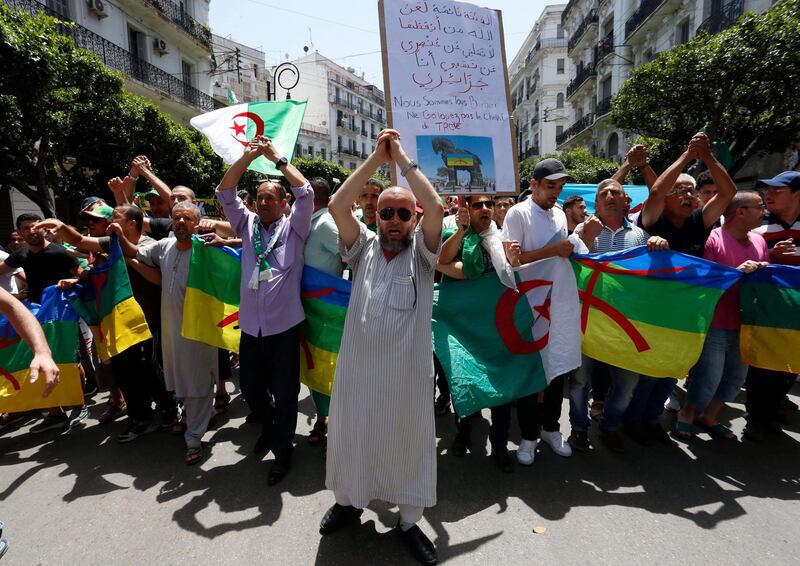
x=381, y=437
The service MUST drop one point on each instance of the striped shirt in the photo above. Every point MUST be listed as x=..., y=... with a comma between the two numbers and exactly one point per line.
x=775, y=230
x=626, y=236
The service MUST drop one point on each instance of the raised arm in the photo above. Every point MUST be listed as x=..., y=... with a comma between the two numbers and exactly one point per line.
x=143, y=165
x=69, y=235
x=653, y=207
x=636, y=158
x=342, y=200
x=423, y=191
x=31, y=333
x=726, y=188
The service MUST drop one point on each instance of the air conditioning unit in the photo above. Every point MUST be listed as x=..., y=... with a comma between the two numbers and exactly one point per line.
x=159, y=46
x=97, y=7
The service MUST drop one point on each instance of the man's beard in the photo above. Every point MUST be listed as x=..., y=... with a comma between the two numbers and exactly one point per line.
x=397, y=246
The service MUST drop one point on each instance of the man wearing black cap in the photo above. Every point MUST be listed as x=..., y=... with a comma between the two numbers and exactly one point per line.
x=766, y=389
x=540, y=228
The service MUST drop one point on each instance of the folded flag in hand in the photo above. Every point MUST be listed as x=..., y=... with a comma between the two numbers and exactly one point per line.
x=230, y=129
x=770, y=300
x=211, y=306
x=60, y=325
x=107, y=305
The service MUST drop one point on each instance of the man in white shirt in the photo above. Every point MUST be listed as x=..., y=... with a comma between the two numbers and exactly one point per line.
x=541, y=230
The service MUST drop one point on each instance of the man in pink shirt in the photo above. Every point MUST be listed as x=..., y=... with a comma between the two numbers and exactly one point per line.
x=719, y=373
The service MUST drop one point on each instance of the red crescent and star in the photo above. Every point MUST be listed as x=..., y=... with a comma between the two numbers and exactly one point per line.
x=241, y=129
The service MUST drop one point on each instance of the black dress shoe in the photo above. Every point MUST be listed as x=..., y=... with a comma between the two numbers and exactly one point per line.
x=419, y=545
x=278, y=470
x=503, y=460
x=262, y=445
x=337, y=517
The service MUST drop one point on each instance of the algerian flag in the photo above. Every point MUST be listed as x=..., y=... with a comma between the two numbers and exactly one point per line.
x=230, y=129
x=232, y=97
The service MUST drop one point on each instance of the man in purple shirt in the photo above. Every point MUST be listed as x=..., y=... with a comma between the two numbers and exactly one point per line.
x=270, y=310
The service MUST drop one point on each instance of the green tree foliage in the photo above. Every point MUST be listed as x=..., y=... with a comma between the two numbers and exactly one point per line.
x=740, y=84
x=67, y=124
x=581, y=165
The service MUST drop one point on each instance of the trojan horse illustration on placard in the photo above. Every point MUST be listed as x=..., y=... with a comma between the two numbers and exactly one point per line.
x=456, y=159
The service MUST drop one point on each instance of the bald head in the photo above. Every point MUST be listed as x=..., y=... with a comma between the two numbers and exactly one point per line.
x=394, y=193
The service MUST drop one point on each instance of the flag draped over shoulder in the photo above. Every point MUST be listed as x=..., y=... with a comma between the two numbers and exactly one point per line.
x=60, y=325
x=770, y=301
x=648, y=312
x=230, y=129
x=496, y=344
x=325, y=298
x=107, y=305
x=211, y=306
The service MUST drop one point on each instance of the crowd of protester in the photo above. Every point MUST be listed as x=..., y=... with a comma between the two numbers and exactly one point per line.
x=172, y=383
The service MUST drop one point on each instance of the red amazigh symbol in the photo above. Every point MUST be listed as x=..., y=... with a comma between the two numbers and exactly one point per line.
x=230, y=319
x=589, y=300
x=307, y=352
x=241, y=129
x=9, y=377
x=504, y=318
x=98, y=280
x=5, y=342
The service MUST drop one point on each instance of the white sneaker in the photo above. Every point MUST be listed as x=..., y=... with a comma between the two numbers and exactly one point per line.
x=527, y=451
x=557, y=443
x=673, y=404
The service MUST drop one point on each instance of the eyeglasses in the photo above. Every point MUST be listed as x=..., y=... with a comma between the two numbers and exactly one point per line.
x=388, y=213
x=483, y=204
x=683, y=192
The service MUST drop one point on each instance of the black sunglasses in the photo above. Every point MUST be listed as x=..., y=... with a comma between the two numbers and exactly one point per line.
x=388, y=213
x=483, y=204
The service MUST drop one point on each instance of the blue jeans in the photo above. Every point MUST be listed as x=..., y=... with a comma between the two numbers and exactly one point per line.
x=647, y=403
x=719, y=373
x=623, y=383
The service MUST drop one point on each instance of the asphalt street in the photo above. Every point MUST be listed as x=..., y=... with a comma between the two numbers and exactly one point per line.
x=82, y=498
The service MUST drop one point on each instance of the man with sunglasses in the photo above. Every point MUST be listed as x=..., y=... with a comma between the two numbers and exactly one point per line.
x=270, y=310
x=540, y=229
x=767, y=389
x=381, y=436
x=470, y=250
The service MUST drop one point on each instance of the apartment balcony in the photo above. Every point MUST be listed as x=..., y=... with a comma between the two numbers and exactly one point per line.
x=725, y=17
x=546, y=43
x=530, y=152
x=642, y=20
x=588, y=24
x=119, y=59
x=575, y=129
x=177, y=14
x=603, y=108
x=605, y=47
x=582, y=77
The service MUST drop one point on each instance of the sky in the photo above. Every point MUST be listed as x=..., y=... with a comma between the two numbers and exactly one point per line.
x=345, y=31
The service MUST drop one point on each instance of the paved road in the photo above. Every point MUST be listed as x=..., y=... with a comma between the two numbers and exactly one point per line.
x=82, y=498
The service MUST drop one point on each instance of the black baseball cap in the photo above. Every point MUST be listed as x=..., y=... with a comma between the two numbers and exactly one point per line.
x=550, y=169
x=89, y=201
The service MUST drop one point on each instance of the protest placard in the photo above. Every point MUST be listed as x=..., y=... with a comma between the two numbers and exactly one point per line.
x=446, y=84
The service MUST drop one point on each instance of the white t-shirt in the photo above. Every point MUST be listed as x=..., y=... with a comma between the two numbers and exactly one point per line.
x=8, y=281
x=534, y=227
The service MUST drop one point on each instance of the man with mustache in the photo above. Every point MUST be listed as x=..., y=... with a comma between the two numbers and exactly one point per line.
x=381, y=437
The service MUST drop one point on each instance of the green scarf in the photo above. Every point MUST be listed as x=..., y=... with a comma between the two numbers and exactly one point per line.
x=262, y=270
x=471, y=253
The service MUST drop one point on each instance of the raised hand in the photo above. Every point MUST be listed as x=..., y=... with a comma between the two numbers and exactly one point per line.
x=116, y=185
x=637, y=156
x=592, y=227
x=48, y=225
x=462, y=215
x=513, y=252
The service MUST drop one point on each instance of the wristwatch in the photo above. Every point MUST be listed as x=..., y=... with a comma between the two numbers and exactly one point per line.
x=281, y=162
x=409, y=166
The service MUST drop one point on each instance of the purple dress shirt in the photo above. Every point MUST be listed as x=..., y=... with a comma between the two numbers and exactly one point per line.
x=275, y=306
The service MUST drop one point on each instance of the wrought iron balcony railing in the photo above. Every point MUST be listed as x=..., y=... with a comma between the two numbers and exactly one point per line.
x=646, y=8
x=584, y=73
x=177, y=15
x=118, y=58
x=575, y=128
x=591, y=18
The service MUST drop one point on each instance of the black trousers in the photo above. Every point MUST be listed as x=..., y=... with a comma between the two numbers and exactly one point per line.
x=269, y=375
x=765, y=392
x=498, y=431
x=532, y=414
x=136, y=374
